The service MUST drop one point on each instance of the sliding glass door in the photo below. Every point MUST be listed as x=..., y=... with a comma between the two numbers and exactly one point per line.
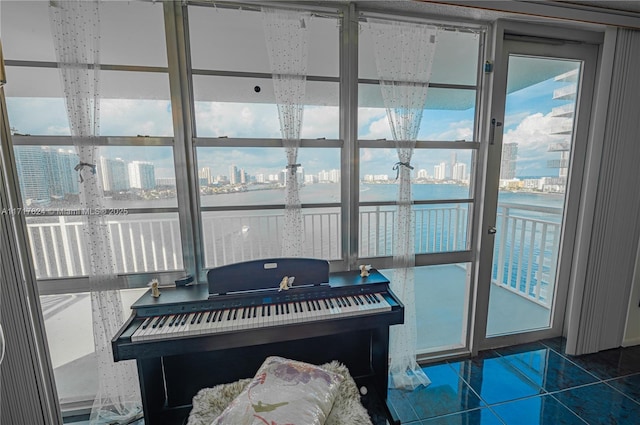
x=537, y=143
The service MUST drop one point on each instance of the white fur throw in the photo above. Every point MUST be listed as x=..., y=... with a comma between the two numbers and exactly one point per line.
x=347, y=409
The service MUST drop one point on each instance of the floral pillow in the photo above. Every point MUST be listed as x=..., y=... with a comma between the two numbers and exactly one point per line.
x=284, y=392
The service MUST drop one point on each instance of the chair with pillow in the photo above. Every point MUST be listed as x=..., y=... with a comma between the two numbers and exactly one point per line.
x=283, y=392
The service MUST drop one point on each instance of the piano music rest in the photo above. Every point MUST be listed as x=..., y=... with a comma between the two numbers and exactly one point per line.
x=346, y=318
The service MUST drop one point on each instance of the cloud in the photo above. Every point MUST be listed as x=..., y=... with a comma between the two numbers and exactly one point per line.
x=373, y=124
x=131, y=117
x=536, y=131
x=320, y=121
x=533, y=136
x=459, y=130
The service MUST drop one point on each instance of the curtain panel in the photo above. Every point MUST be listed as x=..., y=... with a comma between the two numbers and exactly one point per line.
x=75, y=26
x=287, y=39
x=404, y=57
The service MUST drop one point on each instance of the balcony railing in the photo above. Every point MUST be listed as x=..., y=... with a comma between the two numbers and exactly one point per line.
x=526, y=250
x=525, y=260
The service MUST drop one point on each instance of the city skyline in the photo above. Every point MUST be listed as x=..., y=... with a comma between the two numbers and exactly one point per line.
x=525, y=127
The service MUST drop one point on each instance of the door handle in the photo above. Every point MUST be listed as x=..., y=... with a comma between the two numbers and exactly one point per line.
x=494, y=124
x=492, y=230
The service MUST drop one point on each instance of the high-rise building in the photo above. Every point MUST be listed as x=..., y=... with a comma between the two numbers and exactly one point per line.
x=142, y=175
x=440, y=171
x=459, y=171
x=454, y=161
x=62, y=176
x=422, y=174
x=234, y=174
x=205, y=176
x=323, y=176
x=114, y=174
x=34, y=180
x=508, y=162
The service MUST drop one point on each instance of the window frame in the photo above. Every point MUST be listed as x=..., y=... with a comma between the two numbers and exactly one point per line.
x=464, y=256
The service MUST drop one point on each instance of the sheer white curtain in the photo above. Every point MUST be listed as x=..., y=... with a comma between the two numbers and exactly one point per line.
x=75, y=27
x=404, y=55
x=287, y=40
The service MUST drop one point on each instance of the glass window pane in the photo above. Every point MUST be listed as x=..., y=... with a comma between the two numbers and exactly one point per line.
x=449, y=115
x=26, y=32
x=455, y=60
x=67, y=319
x=440, y=303
x=255, y=176
x=139, y=243
x=144, y=179
x=438, y=228
x=132, y=103
x=436, y=174
x=35, y=101
x=135, y=103
x=243, y=47
x=235, y=236
x=231, y=106
x=132, y=33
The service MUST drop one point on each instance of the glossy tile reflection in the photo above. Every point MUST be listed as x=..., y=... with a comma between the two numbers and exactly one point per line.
x=541, y=410
x=548, y=369
x=481, y=416
x=530, y=384
x=496, y=380
x=600, y=404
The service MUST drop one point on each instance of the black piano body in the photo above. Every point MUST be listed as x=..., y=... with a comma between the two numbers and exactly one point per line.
x=173, y=369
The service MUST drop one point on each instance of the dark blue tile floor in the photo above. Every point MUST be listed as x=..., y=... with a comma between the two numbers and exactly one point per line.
x=531, y=384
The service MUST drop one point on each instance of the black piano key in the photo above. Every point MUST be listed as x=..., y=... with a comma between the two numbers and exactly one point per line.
x=287, y=308
x=328, y=304
x=193, y=319
x=295, y=307
x=309, y=308
x=185, y=316
x=229, y=313
x=163, y=321
x=318, y=306
x=146, y=322
x=277, y=308
x=254, y=311
x=375, y=298
x=346, y=300
x=235, y=313
x=210, y=316
x=220, y=315
x=244, y=313
x=269, y=310
x=263, y=310
x=200, y=317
